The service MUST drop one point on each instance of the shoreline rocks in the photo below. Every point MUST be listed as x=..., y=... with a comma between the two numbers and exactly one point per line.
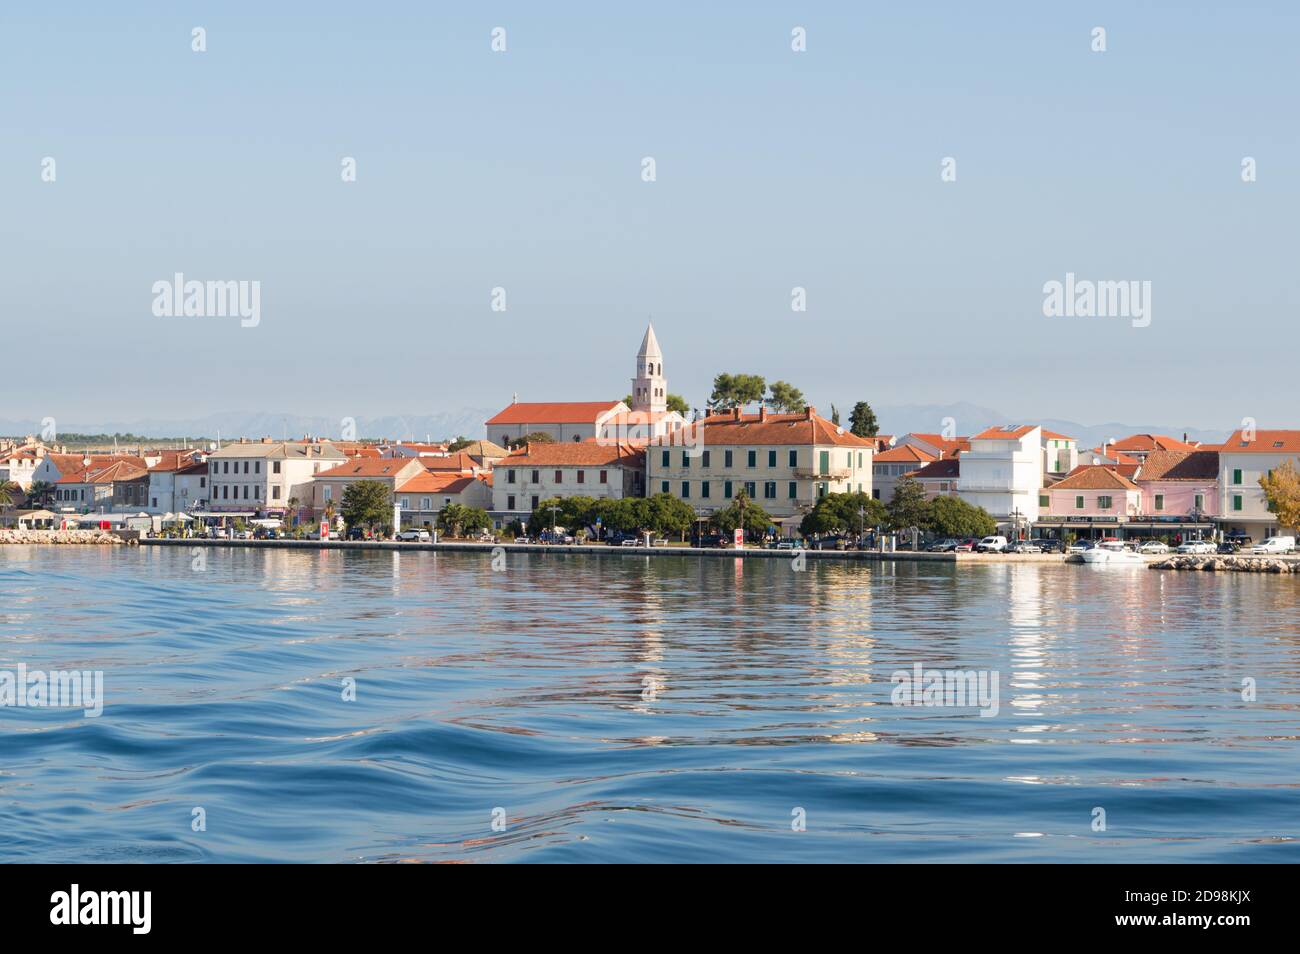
x=63, y=537
x=1219, y=564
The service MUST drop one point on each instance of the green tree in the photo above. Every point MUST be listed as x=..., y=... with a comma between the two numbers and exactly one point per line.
x=954, y=517
x=459, y=443
x=536, y=437
x=1281, y=487
x=862, y=420
x=457, y=520
x=678, y=403
x=670, y=515
x=835, y=415
x=40, y=494
x=908, y=507
x=844, y=513
x=755, y=518
x=8, y=491
x=367, y=503
x=786, y=398
x=736, y=390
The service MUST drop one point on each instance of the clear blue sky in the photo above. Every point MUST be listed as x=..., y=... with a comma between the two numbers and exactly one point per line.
x=775, y=169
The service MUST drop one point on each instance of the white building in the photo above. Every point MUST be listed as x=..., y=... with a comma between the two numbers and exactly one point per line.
x=1243, y=459
x=163, y=494
x=264, y=476
x=539, y=471
x=1003, y=472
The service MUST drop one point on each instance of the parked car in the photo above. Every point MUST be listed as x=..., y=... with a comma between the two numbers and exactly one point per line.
x=946, y=545
x=994, y=544
x=1154, y=546
x=1238, y=538
x=965, y=546
x=523, y=538
x=1196, y=546
x=630, y=542
x=711, y=541
x=1274, y=545
x=786, y=545
x=1082, y=546
x=660, y=542
x=1050, y=545
x=415, y=534
x=1026, y=546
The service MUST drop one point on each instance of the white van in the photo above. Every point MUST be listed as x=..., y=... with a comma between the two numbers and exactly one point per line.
x=992, y=545
x=1274, y=545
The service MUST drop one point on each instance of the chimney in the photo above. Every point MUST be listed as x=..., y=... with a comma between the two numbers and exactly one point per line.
x=762, y=412
x=809, y=413
x=735, y=413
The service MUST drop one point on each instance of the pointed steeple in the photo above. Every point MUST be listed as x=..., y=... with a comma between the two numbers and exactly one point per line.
x=649, y=387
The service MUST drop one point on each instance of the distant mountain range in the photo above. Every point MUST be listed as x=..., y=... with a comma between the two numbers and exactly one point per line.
x=894, y=419
x=971, y=419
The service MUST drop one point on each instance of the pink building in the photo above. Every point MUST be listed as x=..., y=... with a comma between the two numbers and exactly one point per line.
x=1179, y=483
x=1095, y=491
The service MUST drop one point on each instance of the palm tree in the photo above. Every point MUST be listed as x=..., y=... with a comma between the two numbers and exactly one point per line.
x=40, y=493
x=8, y=489
x=292, y=506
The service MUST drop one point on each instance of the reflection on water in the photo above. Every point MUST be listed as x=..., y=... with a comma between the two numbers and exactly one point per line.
x=628, y=708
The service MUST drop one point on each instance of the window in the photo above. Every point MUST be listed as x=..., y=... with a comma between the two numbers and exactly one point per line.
x=1160, y=501
x=225, y=466
x=275, y=493
x=1236, y=501
x=257, y=466
x=750, y=489
x=664, y=458
x=686, y=459
x=1236, y=476
x=245, y=466
x=245, y=491
x=212, y=467
x=793, y=490
x=1199, y=501
x=726, y=461
x=203, y=482
x=225, y=491
x=155, y=502
x=686, y=489
x=751, y=458
x=275, y=466
x=532, y=504
x=821, y=491
x=559, y=476
x=769, y=488
x=537, y=476
x=424, y=503
x=1103, y=503
x=510, y=476
x=794, y=458
x=825, y=462
x=663, y=486
x=604, y=476
x=704, y=461
x=406, y=503
x=582, y=476
x=329, y=492
x=704, y=488
x=1043, y=501
x=1078, y=503
x=771, y=458
x=510, y=502
x=726, y=488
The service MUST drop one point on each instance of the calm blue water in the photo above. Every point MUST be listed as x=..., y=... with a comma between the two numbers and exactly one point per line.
x=632, y=709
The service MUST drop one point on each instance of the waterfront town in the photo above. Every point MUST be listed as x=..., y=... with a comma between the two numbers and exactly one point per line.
x=772, y=462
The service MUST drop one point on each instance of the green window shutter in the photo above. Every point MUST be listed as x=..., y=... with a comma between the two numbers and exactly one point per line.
x=794, y=490
x=1236, y=476
x=1078, y=503
x=1160, y=501
x=1236, y=501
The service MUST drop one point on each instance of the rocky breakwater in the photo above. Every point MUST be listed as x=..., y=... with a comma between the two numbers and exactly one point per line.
x=1228, y=564
x=83, y=537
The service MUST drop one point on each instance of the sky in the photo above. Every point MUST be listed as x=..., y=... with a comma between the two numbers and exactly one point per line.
x=774, y=169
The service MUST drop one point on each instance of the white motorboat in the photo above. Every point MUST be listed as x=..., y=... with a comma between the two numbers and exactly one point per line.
x=1112, y=551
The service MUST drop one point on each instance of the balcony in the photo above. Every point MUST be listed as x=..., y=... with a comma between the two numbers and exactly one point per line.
x=831, y=473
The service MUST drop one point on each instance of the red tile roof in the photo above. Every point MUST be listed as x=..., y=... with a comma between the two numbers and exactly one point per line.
x=370, y=468
x=431, y=483
x=1265, y=442
x=1094, y=477
x=94, y=474
x=903, y=454
x=1151, y=442
x=554, y=412
x=1007, y=433
x=779, y=429
x=459, y=461
x=946, y=468
x=567, y=454
x=1053, y=436
x=1178, y=465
